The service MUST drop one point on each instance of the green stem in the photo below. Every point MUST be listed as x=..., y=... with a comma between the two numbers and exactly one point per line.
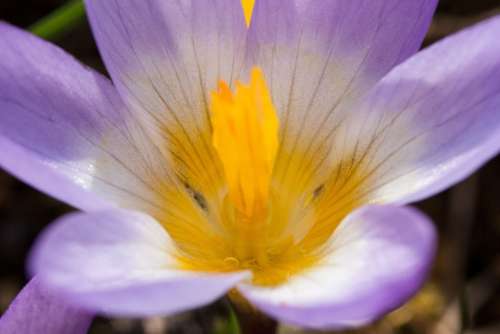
x=250, y=320
x=234, y=325
x=57, y=23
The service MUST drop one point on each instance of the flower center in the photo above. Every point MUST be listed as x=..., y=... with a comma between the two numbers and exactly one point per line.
x=253, y=217
x=245, y=136
x=249, y=203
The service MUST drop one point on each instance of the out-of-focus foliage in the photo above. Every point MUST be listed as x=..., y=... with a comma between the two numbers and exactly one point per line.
x=60, y=21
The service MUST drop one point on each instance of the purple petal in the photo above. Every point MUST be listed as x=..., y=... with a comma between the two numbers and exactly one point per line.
x=25, y=165
x=169, y=54
x=38, y=311
x=122, y=263
x=319, y=54
x=64, y=129
x=165, y=57
x=377, y=258
x=432, y=121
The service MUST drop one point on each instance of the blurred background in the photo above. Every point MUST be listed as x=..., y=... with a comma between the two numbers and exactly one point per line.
x=462, y=295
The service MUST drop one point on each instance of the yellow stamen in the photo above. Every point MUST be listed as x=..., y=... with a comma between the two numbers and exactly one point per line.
x=245, y=136
x=240, y=204
x=248, y=10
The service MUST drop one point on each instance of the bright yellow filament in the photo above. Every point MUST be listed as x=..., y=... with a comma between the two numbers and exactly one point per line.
x=245, y=136
x=247, y=10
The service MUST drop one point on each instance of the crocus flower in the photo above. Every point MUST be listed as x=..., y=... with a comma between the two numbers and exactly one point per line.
x=266, y=152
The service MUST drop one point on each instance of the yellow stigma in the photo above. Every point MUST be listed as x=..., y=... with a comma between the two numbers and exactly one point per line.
x=247, y=10
x=245, y=136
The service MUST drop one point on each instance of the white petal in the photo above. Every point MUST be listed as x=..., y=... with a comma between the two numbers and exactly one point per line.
x=377, y=258
x=121, y=263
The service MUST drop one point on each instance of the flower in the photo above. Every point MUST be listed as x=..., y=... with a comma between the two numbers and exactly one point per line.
x=267, y=152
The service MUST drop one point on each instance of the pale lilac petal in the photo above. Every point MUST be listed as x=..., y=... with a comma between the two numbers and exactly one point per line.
x=431, y=122
x=377, y=258
x=165, y=58
x=321, y=54
x=38, y=311
x=122, y=263
x=65, y=130
x=167, y=55
x=28, y=167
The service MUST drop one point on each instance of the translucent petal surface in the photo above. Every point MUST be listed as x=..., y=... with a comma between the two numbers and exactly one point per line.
x=122, y=263
x=36, y=310
x=376, y=259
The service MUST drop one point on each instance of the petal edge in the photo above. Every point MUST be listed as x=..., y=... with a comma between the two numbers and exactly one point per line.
x=380, y=257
